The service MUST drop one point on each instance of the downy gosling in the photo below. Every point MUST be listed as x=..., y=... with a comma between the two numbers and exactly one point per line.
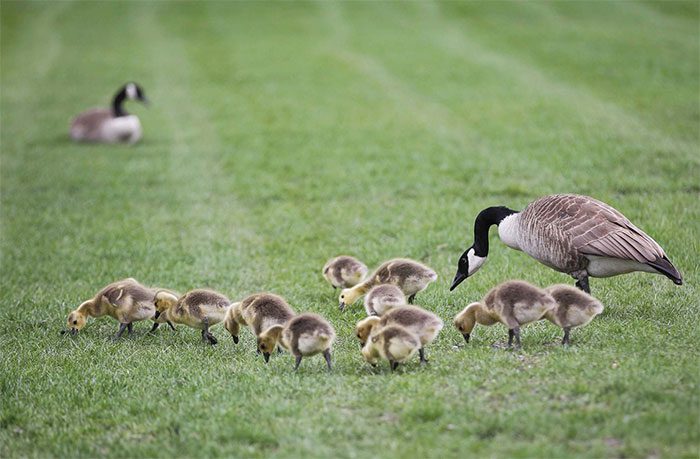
x=344, y=271
x=424, y=324
x=409, y=275
x=126, y=300
x=392, y=343
x=381, y=298
x=198, y=309
x=110, y=125
x=574, y=308
x=512, y=303
x=303, y=336
x=259, y=312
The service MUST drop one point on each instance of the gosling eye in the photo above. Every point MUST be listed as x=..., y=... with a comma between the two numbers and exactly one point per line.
x=358, y=335
x=75, y=322
x=342, y=296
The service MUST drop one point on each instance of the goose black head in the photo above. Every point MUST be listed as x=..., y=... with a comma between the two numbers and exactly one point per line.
x=468, y=264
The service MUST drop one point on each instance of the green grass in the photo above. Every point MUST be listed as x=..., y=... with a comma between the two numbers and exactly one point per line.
x=283, y=134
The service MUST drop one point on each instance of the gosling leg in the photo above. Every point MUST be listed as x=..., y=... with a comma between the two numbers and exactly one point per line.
x=327, y=356
x=298, y=361
x=394, y=365
x=122, y=327
x=155, y=327
x=171, y=325
x=411, y=298
x=421, y=353
x=510, y=337
x=130, y=327
x=516, y=333
x=565, y=341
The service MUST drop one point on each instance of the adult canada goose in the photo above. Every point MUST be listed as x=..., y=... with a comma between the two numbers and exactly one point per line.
x=576, y=235
x=110, y=125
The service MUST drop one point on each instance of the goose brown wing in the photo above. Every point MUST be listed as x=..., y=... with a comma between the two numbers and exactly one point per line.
x=595, y=228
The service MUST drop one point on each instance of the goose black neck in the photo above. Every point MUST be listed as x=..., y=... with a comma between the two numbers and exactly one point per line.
x=482, y=224
x=118, y=104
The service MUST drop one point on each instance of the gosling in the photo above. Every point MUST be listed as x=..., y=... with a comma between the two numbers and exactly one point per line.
x=424, y=324
x=513, y=303
x=259, y=312
x=126, y=300
x=381, y=298
x=409, y=275
x=198, y=309
x=303, y=336
x=344, y=271
x=574, y=308
x=392, y=343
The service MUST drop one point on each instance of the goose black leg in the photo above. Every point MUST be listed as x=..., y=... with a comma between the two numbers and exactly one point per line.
x=582, y=283
x=327, y=356
x=298, y=361
x=171, y=325
x=421, y=353
x=122, y=327
x=130, y=327
x=566, y=335
x=155, y=327
x=411, y=298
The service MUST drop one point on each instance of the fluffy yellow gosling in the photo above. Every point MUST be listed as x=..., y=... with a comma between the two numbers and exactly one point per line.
x=409, y=275
x=574, y=308
x=513, y=303
x=303, y=335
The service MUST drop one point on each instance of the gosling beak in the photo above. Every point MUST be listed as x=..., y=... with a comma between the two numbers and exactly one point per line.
x=73, y=331
x=341, y=306
x=459, y=278
x=267, y=356
x=235, y=339
x=156, y=316
x=466, y=337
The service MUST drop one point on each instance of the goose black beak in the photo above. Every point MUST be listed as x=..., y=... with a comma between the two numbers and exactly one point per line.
x=466, y=337
x=459, y=278
x=266, y=355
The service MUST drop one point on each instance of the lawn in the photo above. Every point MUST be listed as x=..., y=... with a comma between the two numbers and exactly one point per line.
x=283, y=134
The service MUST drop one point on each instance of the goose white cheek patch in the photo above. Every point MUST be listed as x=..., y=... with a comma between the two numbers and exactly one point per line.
x=475, y=262
x=131, y=91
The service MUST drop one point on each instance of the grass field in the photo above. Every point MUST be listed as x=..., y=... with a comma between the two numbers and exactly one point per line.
x=280, y=135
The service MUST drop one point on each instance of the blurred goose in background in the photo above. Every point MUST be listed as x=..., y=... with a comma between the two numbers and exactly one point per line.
x=110, y=125
x=574, y=234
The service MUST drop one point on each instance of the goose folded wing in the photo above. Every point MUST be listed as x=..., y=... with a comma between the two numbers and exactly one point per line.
x=607, y=233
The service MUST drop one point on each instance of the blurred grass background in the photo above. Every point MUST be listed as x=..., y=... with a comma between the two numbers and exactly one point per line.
x=281, y=134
